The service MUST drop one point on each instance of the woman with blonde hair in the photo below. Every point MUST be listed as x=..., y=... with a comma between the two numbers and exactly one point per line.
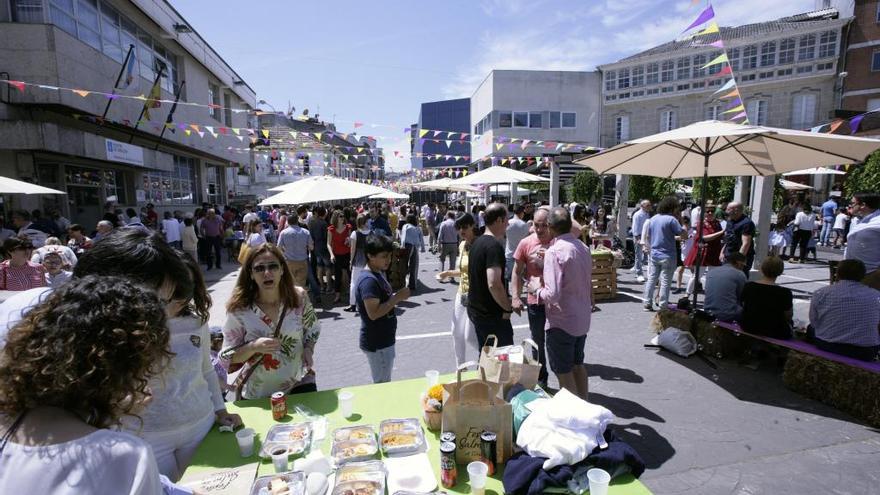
x=271, y=329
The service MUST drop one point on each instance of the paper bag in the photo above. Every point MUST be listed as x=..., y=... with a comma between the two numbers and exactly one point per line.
x=508, y=373
x=471, y=407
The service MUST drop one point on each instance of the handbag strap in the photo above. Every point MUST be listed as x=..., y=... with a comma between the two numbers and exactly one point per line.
x=7, y=435
x=249, y=368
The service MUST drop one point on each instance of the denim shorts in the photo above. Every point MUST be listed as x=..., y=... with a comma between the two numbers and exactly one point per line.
x=564, y=351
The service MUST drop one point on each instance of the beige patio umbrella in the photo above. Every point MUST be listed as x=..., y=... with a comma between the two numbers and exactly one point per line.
x=713, y=148
x=793, y=186
x=816, y=171
x=390, y=195
x=320, y=188
x=498, y=175
x=12, y=186
x=444, y=184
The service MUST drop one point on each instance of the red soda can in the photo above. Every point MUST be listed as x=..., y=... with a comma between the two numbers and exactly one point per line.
x=489, y=449
x=448, y=468
x=279, y=406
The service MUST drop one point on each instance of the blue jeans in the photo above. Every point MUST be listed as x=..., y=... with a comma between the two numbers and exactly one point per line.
x=827, y=224
x=537, y=321
x=381, y=363
x=662, y=269
x=641, y=257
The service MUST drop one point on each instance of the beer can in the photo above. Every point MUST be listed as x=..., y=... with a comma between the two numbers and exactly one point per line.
x=448, y=468
x=447, y=436
x=279, y=406
x=489, y=449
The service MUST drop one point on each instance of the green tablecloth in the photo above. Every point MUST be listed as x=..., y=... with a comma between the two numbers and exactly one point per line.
x=372, y=404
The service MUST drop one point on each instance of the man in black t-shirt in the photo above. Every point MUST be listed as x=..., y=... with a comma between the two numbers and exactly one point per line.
x=739, y=235
x=489, y=305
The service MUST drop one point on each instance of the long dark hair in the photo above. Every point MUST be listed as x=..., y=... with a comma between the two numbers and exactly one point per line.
x=245, y=293
x=199, y=302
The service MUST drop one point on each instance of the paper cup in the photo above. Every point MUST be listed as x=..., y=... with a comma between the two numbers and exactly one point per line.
x=599, y=479
x=279, y=459
x=346, y=404
x=245, y=439
x=477, y=472
x=432, y=377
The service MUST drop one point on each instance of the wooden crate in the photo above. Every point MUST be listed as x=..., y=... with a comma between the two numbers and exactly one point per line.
x=604, y=276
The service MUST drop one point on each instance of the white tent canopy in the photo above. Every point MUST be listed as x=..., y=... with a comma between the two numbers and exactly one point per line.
x=793, y=186
x=816, y=171
x=444, y=184
x=12, y=186
x=732, y=150
x=498, y=175
x=321, y=188
x=390, y=195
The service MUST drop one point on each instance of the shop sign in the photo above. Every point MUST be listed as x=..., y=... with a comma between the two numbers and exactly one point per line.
x=125, y=153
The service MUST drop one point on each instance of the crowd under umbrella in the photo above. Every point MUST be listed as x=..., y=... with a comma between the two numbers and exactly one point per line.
x=12, y=186
x=713, y=148
x=447, y=185
x=318, y=189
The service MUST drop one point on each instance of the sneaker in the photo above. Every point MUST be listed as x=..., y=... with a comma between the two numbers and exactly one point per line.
x=640, y=279
x=648, y=307
x=350, y=309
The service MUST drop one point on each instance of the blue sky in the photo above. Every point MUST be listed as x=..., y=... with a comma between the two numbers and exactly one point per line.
x=375, y=62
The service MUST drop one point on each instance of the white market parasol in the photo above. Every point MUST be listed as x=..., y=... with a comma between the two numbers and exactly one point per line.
x=12, y=186
x=444, y=184
x=390, y=195
x=498, y=175
x=793, y=186
x=321, y=188
x=816, y=171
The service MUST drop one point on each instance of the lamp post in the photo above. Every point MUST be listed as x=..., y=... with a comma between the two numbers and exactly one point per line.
x=264, y=102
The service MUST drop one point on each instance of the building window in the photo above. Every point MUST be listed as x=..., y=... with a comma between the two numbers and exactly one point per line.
x=757, y=112
x=716, y=68
x=683, y=70
x=62, y=15
x=623, y=79
x=714, y=82
x=683, y=87
x=667, y=71
x=786, y=51
x=803, y=112
x=667, y=120
x=27, y=11
x=666, y=89
x=750, y=57
x=638, y=76
x=623, y=96
x=653, y=91
x=750, y=77
x=610, y=80
x=768, y=53
x=569, y=119
x=699, y=62
x=520, y=119
x=875, y=61
x=877, y=17
x=713, y=112
x=621, y=128
x=505, y=119
x=556, y=118
x=765, y=75
x=784, y=72
x=214, y=99
x=733, y=58
x=698, y=84
x=653, y=73
x=807, y=48
x=535, y=120
x=825, y=66
x=828, y=44
x=212, y=179
x=640, y=92
x=873, y=104
x=227, y=109
x=804, y=69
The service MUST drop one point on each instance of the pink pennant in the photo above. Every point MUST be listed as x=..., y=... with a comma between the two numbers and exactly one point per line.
x=358, y=124
x=19, y=85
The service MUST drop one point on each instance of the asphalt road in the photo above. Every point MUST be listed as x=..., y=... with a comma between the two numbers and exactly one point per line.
x=701, y=430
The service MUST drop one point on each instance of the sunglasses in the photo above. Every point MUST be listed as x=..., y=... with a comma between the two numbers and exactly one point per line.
x=268, y=267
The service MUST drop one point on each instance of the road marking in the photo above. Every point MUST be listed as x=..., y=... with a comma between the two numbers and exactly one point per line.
x=805, y=279
x=424, y=335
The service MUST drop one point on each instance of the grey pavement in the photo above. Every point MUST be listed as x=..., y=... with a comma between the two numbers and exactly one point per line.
x=728, y=430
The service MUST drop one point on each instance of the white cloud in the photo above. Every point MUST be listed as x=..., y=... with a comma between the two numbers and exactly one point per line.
x=509, y=8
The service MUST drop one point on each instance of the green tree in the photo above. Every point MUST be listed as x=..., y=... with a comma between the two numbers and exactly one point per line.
x=865, y=177
x=586, y=186
x=719, y=189
x=641, y=187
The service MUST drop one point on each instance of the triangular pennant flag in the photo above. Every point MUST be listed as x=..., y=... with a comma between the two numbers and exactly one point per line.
x=855, y=123
x=19, y=85
x=740, y=108
x=499, y=146
x=725, y=71
x=318, y=135
x=717, y=44
x=717, y=60
x=735, y=103
x=739, y=115
x=358, y=124
x=712, y=28
x=195, y=127
x=201, y=134
x=437, y=133
x=240, y=138
x=210, y=129
x=224, y=131
x=729, y=84
x=735, y=92
x=264, y=132
x=82, y=92
x=449, y=143
x=703, y=18
x=422, y=132
x=187, y=132
x=236, y=130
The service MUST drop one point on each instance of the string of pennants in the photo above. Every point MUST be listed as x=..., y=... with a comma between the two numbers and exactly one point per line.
x=700, y=30
x=436, y=136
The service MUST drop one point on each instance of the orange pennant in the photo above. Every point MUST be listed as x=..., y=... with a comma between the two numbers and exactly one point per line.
x=82, y=92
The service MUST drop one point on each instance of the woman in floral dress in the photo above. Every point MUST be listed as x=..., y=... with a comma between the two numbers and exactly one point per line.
x=263, y=294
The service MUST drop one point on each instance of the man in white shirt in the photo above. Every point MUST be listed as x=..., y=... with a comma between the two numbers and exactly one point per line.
x=638, y=223
x=863, y=241
x=250, y=216
x=171, y=229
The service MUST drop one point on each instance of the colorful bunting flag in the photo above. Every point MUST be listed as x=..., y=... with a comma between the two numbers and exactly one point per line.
x=717, y=60
x=704, y=17
x=729, y=84
x=739, y=108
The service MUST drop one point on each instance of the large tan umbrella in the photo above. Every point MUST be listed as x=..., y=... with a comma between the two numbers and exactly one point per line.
x=713, y=148
x=498, y=175
x=321, y=188
x=816, y=171
x=12, y=186
x=390, y=195
x=444, y=184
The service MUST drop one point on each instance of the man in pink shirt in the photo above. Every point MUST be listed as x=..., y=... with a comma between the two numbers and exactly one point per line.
x=567, y=295
x=528, y=261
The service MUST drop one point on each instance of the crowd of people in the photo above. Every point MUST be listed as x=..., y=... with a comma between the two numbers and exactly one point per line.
x=108, y=364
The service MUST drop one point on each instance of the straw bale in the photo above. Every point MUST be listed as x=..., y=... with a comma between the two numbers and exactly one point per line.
x=853, y=390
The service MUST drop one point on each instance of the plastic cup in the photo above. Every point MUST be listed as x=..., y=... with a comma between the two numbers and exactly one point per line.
x=245, y=439
x=279, y=459
x=477, y=472
x=599, y=479
x=433, y=377
x=346, y=404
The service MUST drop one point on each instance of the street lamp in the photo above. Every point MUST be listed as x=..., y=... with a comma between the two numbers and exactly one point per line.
x=264, y=102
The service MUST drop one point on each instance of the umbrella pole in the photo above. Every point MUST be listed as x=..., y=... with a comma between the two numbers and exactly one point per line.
x=704, y=190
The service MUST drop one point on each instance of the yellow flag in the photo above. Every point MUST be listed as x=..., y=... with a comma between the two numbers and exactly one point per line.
x=717, y=60
x=266, y=133
x=735, y=110
x=422, y=132
x=712, y=28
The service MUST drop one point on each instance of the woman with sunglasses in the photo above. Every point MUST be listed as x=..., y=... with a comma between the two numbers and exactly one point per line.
x=271, y=329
